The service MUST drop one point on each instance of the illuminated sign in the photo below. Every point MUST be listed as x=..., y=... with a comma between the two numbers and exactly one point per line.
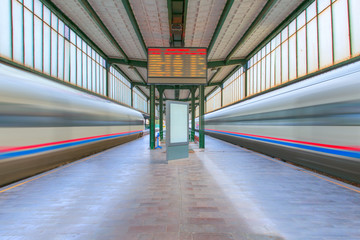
x=177, y=65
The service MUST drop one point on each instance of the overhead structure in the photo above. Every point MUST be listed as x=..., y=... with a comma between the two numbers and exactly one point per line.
x=122, y=31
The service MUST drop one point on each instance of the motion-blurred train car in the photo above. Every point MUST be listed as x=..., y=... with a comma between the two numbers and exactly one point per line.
x=44, y=124
x=315, y=123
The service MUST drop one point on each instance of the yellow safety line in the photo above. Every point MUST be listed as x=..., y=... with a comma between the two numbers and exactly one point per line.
x=296, y=168
x=45, y=174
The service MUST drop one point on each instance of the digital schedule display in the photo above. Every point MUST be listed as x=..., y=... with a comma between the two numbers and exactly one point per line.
x=177, y=65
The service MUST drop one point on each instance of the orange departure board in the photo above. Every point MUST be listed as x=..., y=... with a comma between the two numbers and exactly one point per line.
x=177, y=65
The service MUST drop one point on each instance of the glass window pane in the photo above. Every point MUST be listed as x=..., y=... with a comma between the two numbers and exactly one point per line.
x=84, y=70
x=284, y=34
x=67, y=61
x=38, y=44
x=61, y=28
x=301, y=52
x=272, y=69
x=72, y=37
x=292, y=57
x=61, y=57
x=354, y=8
x=284, y=62
x=311, y=11
x=54, y=22
x=79, y=67
x=38, y=9
x=28, y=4
x=72, y=64
x=300, y=20
x=18, y=41
x=292, y=27
x=47, y=48
x=325, y=38
x=277, y=66
x=54, y=53
x=47, y=15
x=5, y=26
x=322, y=4
x=341, y=31
x=263, y=74
x=29, y=38
x=312, y=46
x=268, y=71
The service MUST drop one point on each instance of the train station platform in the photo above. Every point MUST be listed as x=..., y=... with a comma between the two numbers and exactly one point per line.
x=223, y=192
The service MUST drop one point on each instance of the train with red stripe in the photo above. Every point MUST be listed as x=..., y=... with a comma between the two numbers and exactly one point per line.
x=314, y=122
x=44, y=124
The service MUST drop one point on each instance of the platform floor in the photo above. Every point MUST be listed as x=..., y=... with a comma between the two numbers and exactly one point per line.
x=225, y=192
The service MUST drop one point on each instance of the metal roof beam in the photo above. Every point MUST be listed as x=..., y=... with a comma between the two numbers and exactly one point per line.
x=222, y=19
x=215, y=64
x=86, y=5
x=134, y=23
x=134, y=63
x=137, y=72
x=254, y=24
x=217, y=71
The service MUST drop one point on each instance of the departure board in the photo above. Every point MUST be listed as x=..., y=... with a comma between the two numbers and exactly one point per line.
x=177, y=65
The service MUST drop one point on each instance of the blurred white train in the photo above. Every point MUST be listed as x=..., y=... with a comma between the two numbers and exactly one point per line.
x=314, y=123
x=44, y=124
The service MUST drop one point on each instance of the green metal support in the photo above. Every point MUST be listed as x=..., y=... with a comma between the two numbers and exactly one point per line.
x=132, y=95
x=135, y=63
x=201, y=117
x=152, y=116
x=108, y=79
x=193, y=90
x=134, y=23
x=88, y=8
x=161, y=112
x=268, y=6
x=222, y=19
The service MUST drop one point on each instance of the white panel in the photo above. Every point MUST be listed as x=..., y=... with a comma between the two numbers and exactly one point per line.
x=354, y=9
x=38, y=44
x=341, y=31
x=61, y=57
x=312, y=45
x=5, y=26
x=18, y=44
x=54, y=53
x=29, y=38
x=325, y=38
x=285, y=61
x=301, y=52
x=292, y=57
x=47, y=53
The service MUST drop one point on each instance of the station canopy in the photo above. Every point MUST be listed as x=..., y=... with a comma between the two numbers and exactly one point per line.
x=229, y=30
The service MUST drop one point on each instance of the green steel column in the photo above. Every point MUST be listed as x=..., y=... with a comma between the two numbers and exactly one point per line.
x=193, y=90
x=161, y=108
x=132, y=95
x=201, y=117
x=152, y=116
x=107, y=79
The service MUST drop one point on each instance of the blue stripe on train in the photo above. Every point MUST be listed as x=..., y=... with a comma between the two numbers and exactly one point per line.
x=64, y=145
x=307, y=147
